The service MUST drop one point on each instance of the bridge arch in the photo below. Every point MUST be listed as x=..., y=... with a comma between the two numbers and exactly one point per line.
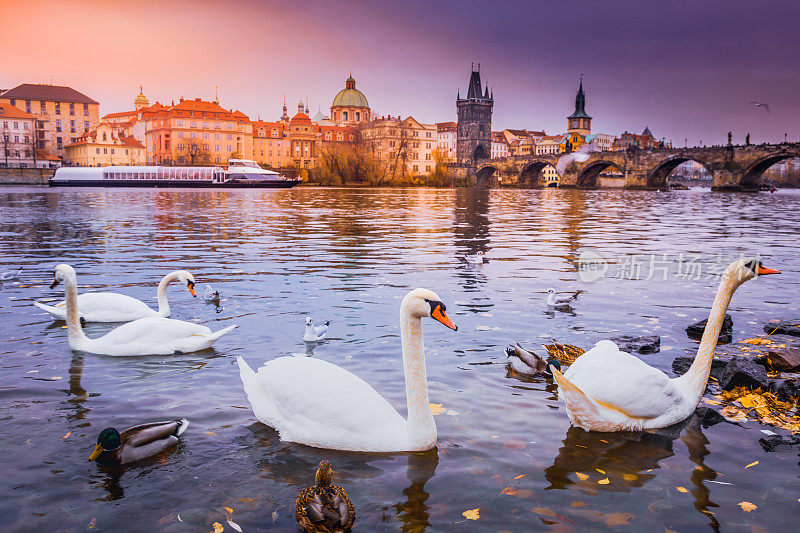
x=587, y=176
x=658, y=177
x=531, y=173
x=752, y=176
x=485, y=176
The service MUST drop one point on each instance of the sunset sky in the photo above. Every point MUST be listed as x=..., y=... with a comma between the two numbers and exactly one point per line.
x=686, y=69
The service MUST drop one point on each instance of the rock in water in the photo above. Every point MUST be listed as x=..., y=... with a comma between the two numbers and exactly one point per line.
x=708, y=417
x=695, y=331
x=786, y=390
x=773, y=442
x=787, y=327
x=781, y=359
x=741, y=372
x=644, y=345
x=681, y=364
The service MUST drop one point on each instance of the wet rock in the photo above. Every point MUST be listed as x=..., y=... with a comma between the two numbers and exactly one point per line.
x=787, y=327
x=772, y=443
x=741, y=372
x=708, y=417
x=633, y=344
x=781, y=359
x=695, y=331
x=681, y=364
x=786, y=390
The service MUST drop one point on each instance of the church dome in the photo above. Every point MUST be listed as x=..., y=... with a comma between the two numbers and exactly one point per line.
x=350, y=96
x=141, y=98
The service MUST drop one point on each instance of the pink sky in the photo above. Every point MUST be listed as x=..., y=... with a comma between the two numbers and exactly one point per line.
x=685, y=70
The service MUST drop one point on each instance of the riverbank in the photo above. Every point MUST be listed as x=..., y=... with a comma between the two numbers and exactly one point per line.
x=25, y=176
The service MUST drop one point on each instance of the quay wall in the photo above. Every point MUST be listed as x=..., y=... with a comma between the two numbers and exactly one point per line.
x=25, y=176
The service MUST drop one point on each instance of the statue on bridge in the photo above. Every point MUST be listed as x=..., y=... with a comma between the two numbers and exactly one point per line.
x=747, y=140
x=730, y=138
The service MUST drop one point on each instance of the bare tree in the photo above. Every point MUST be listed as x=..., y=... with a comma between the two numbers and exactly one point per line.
x=195, y=152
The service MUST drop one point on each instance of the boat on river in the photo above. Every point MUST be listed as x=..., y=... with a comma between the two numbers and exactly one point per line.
x=240, y=173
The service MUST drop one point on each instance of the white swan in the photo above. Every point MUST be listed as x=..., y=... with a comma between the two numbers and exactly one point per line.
x=606, y=389
x=315, y=333
x=153, y=335
x=317, y=403
x=115, y=307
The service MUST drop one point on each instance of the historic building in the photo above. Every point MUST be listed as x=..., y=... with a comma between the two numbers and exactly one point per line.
x=446, y=139
x=17, y=142
x=601, y=141
x=104, y=146
x=579, y=123
x=499, y=145
x=407, y=145
x=631, y=140
x=350, y=106
x=474, y=127
x=62, y=113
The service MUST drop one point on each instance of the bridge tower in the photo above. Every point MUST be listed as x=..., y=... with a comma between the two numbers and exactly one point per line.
x=579, y=121
x=474, y=127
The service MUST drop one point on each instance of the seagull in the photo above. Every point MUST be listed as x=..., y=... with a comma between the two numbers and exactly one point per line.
x=315, y=333
x=476, y=259
x=8, y=276
x=765, y=107
x=211, y=295
x=560, y=301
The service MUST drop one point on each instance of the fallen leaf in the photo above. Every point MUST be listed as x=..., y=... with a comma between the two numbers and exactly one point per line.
x=509, y=490
x=754, y=463
x=582, y=477
x=618, y=519
x=228, y=510
x=211, y=433
x=747, y=506
x=67, y=435
x=578, y=504
x=437, y=409
x=711, y=402
x=472, y=514
x=630, y=477
x=217, y=527
x=520, y=476
x=179, y=518
x=604, y=481
x=601, y=471
x=544, y=511
x=682, y=489
x=274, y=516
x=756, y=340
x=495, y=436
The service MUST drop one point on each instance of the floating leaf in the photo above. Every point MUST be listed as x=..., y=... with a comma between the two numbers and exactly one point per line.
x=604, y=481
x=274, y=516
x=228, y=510
x=711, y=402
x=578, y=504
x=630, y=477
x=582, y=477
x=618, y=519
x=179, y=518
x=754, y=463
x=67, y=435
x=217, y=527
x=472, y=514
x=544, y=511
x=682, y=489
x=747, y=506
x=520, y=476
x=601, y=471
x=509, y=490
x=211, y=433
x=437, y=409
x=756, y=340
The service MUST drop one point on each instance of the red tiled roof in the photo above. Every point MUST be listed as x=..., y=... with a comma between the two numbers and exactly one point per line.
x=55, y=93
x=9, y=111
x=131, y=141
x=446, y=126
x=300, y=117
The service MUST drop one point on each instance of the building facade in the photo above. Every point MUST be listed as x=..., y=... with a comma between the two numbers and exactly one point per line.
x=62, y=113
x=446, y=139
x=579, y=123
x=406, y=145
x=350, y=106
x=474, y=126
x=17, y=141
x=104, y=146
x=499, y=146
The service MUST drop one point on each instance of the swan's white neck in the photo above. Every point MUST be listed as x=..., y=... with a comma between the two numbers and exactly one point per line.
x=163, y=303
x=75, y=333
x=695, y=379
x=421, y=427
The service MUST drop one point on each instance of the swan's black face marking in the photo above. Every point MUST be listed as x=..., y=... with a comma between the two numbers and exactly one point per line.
x=434, y=304
x=53, y=285
x=190, y=285
x=754, y=265
x=83, y=322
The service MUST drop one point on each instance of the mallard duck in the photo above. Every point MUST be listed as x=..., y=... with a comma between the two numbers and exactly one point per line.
x=554, y=300
x=610, y=390
x=529, y=363
x=315, y=333
x=136, y=443
x=311, y=401
x=564, y=353
x=324, y=508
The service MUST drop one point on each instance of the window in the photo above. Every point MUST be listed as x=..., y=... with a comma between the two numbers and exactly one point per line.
x=104, y=136
x=85, y=125
x=28, y=106
x=105, y=150
x=72, y=126
x=345, y=116
x=216, y=148
x=16, y=125
x=112, y=151
x=217, y=136
x=42, y=108
x=194, y=135
x=230, y=136
x=85, y=110
x=205, y=135
x=126, y=151
x=416, y=168
x=71, y=109
x=193, y=124
x=58, y=108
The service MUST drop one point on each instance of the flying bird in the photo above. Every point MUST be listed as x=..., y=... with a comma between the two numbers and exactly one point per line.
x=763, y=106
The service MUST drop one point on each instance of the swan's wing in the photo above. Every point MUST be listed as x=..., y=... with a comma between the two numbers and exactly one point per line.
x=312, y=401
x=152, y=331
x=624, y=381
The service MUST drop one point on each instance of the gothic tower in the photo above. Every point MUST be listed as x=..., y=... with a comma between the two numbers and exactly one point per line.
x=474, y=128
x=579, y=122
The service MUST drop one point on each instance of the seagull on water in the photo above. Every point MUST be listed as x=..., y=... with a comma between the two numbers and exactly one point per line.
x=554, y=300
x=315, y=333
x=9, y=275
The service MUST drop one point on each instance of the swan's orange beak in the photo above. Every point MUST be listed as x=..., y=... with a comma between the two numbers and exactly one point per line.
x=191, y=290
x=442, y=317
x=763, y=271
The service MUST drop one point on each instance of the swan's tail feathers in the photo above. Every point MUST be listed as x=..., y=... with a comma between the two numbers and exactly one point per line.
x=581, y=408
x=217, y=334
x=182, y=425
x=55, y=311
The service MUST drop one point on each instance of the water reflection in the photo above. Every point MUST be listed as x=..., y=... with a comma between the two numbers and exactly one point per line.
x=414, y=512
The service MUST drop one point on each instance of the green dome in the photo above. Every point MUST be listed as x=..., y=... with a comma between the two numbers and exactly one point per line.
x=350, y=96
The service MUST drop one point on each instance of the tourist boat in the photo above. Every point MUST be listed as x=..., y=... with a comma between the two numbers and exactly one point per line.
x=240, y=173
x=675, y=186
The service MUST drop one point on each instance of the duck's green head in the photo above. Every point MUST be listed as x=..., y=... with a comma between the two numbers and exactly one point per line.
x=108, y=440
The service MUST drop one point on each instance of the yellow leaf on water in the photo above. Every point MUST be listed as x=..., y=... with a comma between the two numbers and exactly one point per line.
x=67, y=435
x=495, y=436
x=472, y=514
x=711, y=402
x=601, y=471
x=544, y=511
x=228, y=510
x=618, y=519
x=437, y=409
x=520, y=476
x=754, y=463
x=747, y=506
x=583, y=504
x=211, y=433
x=217, y=527
x=582, y=477
x=509, y=490
x=604, y=481
x=756, y=340
x=630, y=477
x=682, y=489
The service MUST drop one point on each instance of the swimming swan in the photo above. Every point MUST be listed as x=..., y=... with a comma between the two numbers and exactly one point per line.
x=317, y=403
x=606, y=389
x=153, y=335
x=115, y=307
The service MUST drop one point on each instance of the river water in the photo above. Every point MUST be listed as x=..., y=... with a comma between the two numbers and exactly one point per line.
x=349, y=256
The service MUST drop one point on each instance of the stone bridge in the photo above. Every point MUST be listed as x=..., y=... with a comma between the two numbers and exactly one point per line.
x=737, y=168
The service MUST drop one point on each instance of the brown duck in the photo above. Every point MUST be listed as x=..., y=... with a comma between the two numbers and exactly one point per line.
x=324, y=508
x=565, y=353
